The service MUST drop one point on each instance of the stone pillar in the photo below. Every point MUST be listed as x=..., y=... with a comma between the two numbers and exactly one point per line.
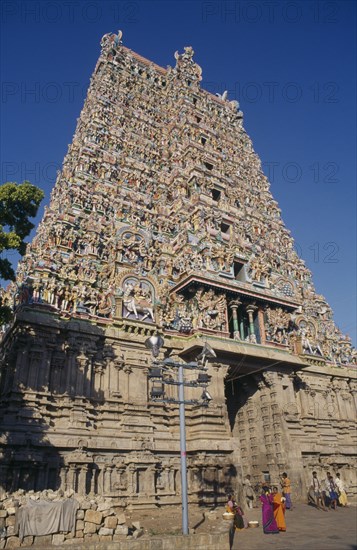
x=93, y=474
x=250, y=310
x=81, y=374
x=100, y=488
x=20, y=371
x=82, y=479
x=63, y=478
x=328, y=407
x=346, y=398
x=36, y=361
x=166, y=478
x=87, y=382
x=342, y=394
x=261, y=325
x=71, y=478
x=122, y=478
x=149, y=484
x=107, y=479
x=98, y=375
x=234, y=304
x=45, y=374
x=132, y=485
x=118, y=367
x=241, y=328
x=107, y=382
x=128, y=370
x=70, y=360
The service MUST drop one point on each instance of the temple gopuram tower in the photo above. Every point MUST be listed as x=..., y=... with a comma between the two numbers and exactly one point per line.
x=162, y=222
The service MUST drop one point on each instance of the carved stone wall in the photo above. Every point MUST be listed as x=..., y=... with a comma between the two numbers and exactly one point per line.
x=76, y=414
x=296, y=422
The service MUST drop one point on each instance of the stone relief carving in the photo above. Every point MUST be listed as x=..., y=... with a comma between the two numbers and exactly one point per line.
x=138, y=299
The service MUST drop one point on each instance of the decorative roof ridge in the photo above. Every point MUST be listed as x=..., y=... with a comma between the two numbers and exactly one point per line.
x=162, y=70
x=144, y=60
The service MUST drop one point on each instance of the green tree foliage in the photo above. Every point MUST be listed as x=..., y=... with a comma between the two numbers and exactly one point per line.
x=18, y=203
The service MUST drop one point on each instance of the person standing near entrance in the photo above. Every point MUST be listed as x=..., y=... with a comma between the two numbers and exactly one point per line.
x=326, y=490
x=341, y=490
x=248, y=492
x=319, y=499
x=333, y=494
x=279, y=509
x=286, y=486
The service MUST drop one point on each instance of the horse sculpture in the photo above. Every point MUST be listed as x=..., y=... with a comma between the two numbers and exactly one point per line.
x=136, y=305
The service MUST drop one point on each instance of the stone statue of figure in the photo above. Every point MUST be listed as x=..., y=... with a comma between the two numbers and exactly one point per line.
x=136, y=299
x=306, y=345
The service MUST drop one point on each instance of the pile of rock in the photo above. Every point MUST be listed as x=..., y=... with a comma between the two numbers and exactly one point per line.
x=97, y=519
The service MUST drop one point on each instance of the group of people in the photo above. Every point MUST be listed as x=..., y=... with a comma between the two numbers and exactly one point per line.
x=327, y=494
x=275, y=501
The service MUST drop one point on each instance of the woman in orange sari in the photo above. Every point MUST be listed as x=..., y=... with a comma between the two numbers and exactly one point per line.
x=279, y=509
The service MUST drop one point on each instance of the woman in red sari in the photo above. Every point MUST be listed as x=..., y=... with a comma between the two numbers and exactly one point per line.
x=279, y=509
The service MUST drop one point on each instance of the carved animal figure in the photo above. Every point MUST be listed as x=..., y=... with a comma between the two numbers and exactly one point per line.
x=135, y=301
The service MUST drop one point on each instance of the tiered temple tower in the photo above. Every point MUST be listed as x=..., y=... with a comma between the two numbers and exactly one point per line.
x=162, y=220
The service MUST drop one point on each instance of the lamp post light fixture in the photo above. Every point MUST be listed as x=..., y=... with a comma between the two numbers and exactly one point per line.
x=154, y=343
x=157, y=375
x=206, y=353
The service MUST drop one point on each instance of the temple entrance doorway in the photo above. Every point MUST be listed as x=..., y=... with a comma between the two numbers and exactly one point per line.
x=255, y=422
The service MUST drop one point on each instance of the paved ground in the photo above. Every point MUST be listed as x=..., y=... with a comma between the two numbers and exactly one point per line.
x=307, y=529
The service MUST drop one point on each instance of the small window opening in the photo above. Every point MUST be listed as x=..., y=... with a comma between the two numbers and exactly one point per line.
x=208, y=165
x=198, y=119
x=216, y=194
x=266, y=476
x=225, y=227
x=194, y=100
x=203, y=140
x=238, y=270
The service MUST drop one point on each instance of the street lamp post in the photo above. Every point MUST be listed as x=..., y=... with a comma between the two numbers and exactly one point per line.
x=154, y=343
x=183, y=451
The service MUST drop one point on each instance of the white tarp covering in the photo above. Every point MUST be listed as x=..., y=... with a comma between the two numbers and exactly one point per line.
x=40, y=517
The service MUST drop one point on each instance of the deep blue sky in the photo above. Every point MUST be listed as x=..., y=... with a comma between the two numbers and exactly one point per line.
x=290, y=64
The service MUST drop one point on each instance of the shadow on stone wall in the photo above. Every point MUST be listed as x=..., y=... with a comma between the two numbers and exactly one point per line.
x=28, y=461
x=214, y=491
x=237, y=393
x=47, y=391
